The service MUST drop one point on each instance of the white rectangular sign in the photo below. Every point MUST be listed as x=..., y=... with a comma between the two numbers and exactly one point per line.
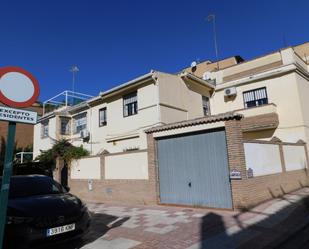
x=17, y=115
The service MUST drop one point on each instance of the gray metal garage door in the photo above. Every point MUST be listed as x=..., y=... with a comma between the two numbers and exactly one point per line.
x=193, y=170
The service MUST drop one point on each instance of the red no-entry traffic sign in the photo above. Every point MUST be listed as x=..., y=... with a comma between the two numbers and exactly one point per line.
x=18, y=87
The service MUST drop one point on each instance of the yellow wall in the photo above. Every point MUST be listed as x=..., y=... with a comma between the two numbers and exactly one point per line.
x=282, y=91
x=132, y=166
x=46, y=142
x=251, y=64
x=86, y=168
x=180, y=100
x=303, y=89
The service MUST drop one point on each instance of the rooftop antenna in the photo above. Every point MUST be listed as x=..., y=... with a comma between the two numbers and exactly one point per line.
x=212, y=17
x=74, y=69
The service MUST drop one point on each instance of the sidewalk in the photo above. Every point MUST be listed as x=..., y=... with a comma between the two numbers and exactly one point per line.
x=265, y=226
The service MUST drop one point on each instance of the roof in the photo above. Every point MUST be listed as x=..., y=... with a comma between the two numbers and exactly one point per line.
x=198, y=121
x=78, y=107
x=186, y=75
x=210, y=63
x=140, y=79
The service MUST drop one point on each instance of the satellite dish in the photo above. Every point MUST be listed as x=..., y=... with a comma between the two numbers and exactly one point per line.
x=193, y=64
x=208, y=76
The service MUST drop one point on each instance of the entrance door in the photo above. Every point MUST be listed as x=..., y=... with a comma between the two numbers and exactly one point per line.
x=64, y=176
x=193, y=170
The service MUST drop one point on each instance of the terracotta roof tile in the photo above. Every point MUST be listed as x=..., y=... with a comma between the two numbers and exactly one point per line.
x=197, y=121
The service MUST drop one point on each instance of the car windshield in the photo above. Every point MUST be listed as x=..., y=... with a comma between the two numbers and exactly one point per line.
x=33, y=185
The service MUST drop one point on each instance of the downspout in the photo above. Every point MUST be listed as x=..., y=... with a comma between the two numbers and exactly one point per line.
x=155, y=78
x=90, y=128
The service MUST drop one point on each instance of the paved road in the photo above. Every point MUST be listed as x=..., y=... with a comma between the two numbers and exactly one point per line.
x=124, y=226
x=299, y=241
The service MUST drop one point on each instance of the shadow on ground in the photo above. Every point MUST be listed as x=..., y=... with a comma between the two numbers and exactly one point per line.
x=264, y=231
x=100, y=225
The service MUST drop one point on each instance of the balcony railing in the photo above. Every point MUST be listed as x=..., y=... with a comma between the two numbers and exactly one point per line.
x=64, y=99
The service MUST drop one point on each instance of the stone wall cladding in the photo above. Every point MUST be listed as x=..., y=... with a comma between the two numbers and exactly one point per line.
x=236, y=154
x=260, y=122
x=121, y=191
x=235, y=147
x=250, y=192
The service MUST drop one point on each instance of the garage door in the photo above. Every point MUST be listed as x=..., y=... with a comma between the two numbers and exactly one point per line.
x=193, y=170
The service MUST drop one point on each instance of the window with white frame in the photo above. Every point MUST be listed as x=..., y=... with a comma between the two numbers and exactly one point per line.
x=255, y=97
x=130, y=104
x=80, y=122
x=44, y=128
x=102, y=117
x=206, y=106
x=65, y=126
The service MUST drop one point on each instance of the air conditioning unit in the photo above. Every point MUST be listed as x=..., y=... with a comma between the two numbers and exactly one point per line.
x=84, y=134
x=229, y=92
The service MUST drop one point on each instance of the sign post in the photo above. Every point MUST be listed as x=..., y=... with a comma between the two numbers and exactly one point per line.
x=7, y=172
x=18, y=88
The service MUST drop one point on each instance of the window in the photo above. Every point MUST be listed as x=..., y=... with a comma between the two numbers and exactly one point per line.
x=255, y=97
x=65, y=126
x=130, y=104
x=44, y=128
x=80, y=122
x=102, y=117
x=206, y=106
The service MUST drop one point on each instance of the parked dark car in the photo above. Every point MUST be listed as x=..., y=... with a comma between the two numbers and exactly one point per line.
x=41, y=212
x=31, y=168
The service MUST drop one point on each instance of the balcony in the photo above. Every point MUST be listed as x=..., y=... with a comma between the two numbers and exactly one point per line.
x=259, y=118
x=259, y=110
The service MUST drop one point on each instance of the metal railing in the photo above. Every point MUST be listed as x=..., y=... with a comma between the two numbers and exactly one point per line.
x=64, y=99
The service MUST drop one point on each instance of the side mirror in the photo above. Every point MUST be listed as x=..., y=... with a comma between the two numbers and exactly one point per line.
x=67, y=188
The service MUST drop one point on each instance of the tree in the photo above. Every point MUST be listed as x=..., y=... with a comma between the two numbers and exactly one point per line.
x=63, y=150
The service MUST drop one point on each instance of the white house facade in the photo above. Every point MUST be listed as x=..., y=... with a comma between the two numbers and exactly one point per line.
x=217, y=121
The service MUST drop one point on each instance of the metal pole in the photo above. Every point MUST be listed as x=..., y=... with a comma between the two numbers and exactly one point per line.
x=74, y=70
x=212, y=17
x=7, y=172
x=73, y=81
x=66, y=98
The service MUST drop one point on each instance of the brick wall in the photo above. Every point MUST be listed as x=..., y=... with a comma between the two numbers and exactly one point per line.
x=246, y=192
x=24, y=132
x=235, y=147
x=249, y=192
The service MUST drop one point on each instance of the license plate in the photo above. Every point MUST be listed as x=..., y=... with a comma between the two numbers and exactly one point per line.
x=62, y=229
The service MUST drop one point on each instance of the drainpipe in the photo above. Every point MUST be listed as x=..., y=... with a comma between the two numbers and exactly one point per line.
x=90, y=128
x=158, y=98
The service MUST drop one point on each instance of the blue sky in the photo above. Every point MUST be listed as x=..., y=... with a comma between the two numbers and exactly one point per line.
x=115, y=41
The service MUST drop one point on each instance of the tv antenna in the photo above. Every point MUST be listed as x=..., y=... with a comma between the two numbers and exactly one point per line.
x=212, y=17
x=74, y=69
